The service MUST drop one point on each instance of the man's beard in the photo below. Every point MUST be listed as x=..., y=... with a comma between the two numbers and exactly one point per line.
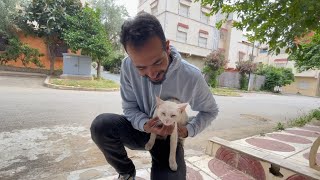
x=158, y=82
x=164, y=73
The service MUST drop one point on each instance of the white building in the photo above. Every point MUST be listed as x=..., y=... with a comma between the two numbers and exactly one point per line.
x=235, y=44
x=186, y=26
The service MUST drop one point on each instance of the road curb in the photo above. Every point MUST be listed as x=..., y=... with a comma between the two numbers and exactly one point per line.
x=54, y=86
x=21, y=74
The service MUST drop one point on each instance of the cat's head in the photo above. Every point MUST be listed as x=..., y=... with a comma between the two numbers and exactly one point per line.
x=169, y=112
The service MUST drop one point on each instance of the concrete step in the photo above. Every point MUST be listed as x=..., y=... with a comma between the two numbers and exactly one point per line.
x=278, y=155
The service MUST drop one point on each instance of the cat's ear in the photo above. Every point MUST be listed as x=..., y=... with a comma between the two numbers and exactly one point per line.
x=182, y=106
x=159, y=101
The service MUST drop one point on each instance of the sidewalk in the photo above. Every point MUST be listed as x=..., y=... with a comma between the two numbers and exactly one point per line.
x=197, y=169
x=250, y=158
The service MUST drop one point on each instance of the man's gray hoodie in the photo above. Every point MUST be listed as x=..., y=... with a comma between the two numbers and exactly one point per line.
x=183, y=82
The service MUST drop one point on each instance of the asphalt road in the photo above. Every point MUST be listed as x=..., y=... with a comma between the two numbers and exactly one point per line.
x=25, y=103
x=45, y=132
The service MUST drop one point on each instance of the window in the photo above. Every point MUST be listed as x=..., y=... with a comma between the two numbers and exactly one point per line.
x=222, y=35
x=204, y=18
x=241, y=55
x=264, y=50
x=154, y=10
x=184, y=10
x=281, y=64
x=203, y=42
x=142, y=1
x=154, y=7
x=3, y=43
x=182, y=36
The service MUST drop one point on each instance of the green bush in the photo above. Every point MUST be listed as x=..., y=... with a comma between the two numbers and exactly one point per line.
x=113, y=62
x=280, y=127
x=316, y=114
x=244, y=80
x=275, y=76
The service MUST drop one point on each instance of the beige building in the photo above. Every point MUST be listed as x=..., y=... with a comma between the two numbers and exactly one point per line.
x=234, y=44
x=186, y=26
x=306, y=83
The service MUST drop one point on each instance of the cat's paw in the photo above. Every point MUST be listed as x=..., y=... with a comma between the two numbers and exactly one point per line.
x=173, y=165
x=148, y=146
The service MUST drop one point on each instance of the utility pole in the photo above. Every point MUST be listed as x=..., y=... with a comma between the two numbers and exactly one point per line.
x=251, y=59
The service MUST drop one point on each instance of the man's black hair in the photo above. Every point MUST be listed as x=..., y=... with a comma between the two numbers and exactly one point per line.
x=140, y=29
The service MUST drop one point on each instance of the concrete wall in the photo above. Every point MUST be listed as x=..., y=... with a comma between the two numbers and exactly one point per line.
x=256, y=82
x=195, y=60
x=307, y=86
x=232, y=80
x=39, y=44
x=229, y=79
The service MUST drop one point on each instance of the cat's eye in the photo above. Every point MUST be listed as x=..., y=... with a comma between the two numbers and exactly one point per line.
x=173, y=116
x=163, y=114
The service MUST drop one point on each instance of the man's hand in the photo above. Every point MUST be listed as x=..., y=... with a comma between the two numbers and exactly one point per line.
x=152, y=127
x=182, y=131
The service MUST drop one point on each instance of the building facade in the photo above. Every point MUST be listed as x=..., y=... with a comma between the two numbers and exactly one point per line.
x=186, y=26
x=305, y=83
x=234, y=44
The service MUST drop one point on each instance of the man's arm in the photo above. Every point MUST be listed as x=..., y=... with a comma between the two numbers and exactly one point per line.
x=129, y=102
x=132, y=112
x=202, y=101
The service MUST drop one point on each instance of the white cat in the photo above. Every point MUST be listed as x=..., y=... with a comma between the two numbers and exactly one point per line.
x=170, y=112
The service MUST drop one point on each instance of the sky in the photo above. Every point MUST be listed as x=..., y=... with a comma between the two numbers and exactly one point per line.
x=131, y=5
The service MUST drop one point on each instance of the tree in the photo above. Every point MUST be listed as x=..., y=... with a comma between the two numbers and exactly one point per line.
x=85, y=32
x=112, y=16
x=214, y=65
x=309, y=56
x=14, y=49
x=277, y=23
x=245, y=68
x=47, y=19
x=7, y=15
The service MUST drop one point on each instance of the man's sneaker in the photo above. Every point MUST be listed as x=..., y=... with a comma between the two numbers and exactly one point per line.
x=126, y=177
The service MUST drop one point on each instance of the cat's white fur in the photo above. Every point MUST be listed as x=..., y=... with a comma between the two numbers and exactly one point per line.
x=170, y=112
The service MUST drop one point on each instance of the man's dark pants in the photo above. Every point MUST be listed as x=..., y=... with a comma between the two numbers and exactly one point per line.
x=112, y=132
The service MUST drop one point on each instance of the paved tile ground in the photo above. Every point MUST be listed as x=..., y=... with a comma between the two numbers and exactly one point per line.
x=290, y=144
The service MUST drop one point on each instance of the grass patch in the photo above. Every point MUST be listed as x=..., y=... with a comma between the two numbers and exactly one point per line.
x=316, y=114
x=280, y=126
x=225, y=92
x=300, y=121
x=101, y=83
